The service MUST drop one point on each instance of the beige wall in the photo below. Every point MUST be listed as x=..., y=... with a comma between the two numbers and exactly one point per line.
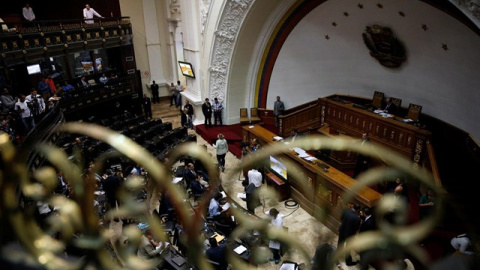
x=134, y=10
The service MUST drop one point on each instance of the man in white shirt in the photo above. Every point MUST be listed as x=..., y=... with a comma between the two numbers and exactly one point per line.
x=36, y=102
x=28, y=12
x=88, y=14
x=254, y=177
x=22, y=108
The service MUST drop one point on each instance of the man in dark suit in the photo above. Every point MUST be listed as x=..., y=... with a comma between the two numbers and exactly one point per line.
x=190, y=174
x=207, y=113
x=111, y=185
x=197, y=188
x=349, y=227
x=154, y=87
x=147, y=106
x=217, y=254
x=368, y=222
x=390, y=107
x=251, y=196
x=363, y=161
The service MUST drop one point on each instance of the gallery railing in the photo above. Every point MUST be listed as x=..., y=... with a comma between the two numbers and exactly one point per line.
x=78, y=224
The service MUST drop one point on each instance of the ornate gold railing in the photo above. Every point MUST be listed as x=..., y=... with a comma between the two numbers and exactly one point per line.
x=78, y=224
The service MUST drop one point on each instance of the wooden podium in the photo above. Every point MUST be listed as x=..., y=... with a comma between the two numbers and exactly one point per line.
x=282, y=187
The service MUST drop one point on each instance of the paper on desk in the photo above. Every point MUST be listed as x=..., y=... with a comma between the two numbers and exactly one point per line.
x=298, y=150
x=176, y=180
x=288, y=266
x=226, y=206
x=304, y=155
x=378, y=111
x=278, y=138
x=251, y=126
x=311, y=158
x=241, y=195
x=218, y=237
x=240, y=249
x=407, y=120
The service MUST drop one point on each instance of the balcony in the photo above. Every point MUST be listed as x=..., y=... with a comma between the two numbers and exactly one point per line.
x=22, y=42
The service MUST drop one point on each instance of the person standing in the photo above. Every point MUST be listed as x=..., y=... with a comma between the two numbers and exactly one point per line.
x=178, y=96
x=350, y=224
x=277, y=221
x=207, y=113
x=221, y=146
x=7, y=101
x=44, y=87
x=363, y=161
x=188, y=110
x=278, y=109
x=88, y=14
x=426, y=204
x=36, y=104
x=22, y=108
x=252, y=197
x=173, y=96
x=217, y=111
x=154, y=87
x=147, y=106
x=255, y=177
x=27, y=12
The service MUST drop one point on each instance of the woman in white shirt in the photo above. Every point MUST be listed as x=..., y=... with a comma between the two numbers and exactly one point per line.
x=221, y=146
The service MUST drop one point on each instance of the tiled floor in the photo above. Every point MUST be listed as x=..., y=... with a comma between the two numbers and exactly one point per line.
x=306, y=229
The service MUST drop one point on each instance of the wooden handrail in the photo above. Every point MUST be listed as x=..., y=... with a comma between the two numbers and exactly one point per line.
x=432, y=164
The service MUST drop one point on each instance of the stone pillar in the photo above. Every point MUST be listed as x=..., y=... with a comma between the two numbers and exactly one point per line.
x=191, y=27
x=152, y=36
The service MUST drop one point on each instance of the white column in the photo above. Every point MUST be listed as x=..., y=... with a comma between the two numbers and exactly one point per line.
x=191, y=28
x=152, y=38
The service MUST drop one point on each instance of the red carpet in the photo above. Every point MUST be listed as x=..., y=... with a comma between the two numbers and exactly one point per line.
x=232, y=133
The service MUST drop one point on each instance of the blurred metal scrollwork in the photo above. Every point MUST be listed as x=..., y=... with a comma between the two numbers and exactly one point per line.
x=78, y=224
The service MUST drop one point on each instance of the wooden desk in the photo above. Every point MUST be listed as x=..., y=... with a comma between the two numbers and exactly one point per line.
x=405, y=139
x=282, y=187
x=343, y=115
x=317, y=188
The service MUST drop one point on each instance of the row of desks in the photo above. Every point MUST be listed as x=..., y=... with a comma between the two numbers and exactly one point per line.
x=317, y=187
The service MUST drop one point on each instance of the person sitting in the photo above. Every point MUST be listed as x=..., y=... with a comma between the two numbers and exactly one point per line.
x=103, y=79
x=214, y=209
x=390, y=107
x=197, y=188
x=217, y=254
x=293, y=136
x=461, y=243
x=253, y=146
x=149, y=249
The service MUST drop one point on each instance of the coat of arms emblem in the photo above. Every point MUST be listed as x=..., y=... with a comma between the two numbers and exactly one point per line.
x=384, y=46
